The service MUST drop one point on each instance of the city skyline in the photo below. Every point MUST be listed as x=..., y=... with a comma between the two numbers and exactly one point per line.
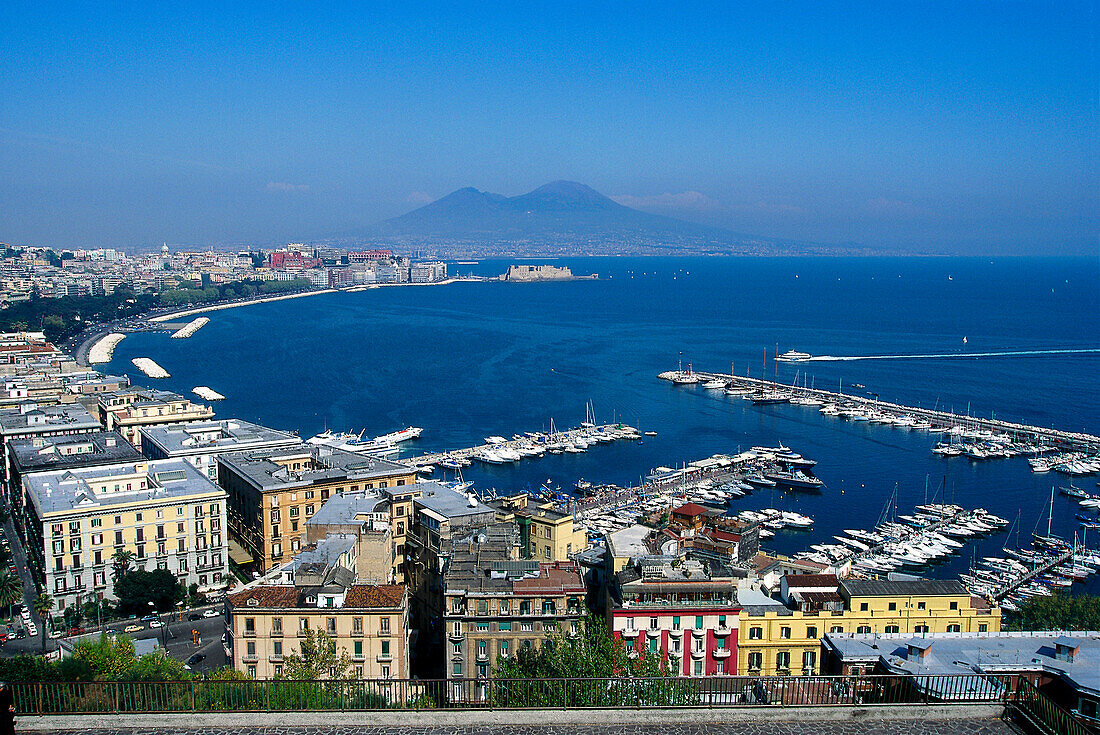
x=939, y=128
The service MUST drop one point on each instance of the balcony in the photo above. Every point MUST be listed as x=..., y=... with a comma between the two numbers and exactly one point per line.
x=275, y=658
x=483, y=658
x=676, y=633
x=721, y=653
x=698, y=653
x=654, y=632
x=303, y=632
x=630, y=633
x=249, y=634
x=723, y=630
x=385, y=658
x=250, y=658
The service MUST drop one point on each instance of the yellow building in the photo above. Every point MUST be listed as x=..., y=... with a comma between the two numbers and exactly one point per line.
x=273, y=492
x=784, y=638
x=546, y=533
x=369, y=622
x=165, y=512
x=128, y=411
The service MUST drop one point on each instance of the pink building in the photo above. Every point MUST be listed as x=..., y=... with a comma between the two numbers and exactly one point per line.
x=683, y=609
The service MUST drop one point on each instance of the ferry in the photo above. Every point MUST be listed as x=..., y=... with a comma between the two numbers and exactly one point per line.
x=395, y=437
x=794, y=356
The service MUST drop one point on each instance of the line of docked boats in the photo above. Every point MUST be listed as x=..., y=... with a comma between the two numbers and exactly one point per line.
x=380, y=446
x=1024, y=573
x=931, y=533
x=1068, y=463
x=499, y=450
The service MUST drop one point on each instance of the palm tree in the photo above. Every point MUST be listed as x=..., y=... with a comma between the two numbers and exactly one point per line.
x=120, y=564
x=11, y=590
x=43, y=604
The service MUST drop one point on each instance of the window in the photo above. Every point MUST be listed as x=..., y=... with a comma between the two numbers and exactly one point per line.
x=784, y=632
x=811, y=631
x=698, y=668
x=863, y=607
x=482, y=627
x=675, y=622
x=698, y=622
x=653, y=623
x=250, y=626
x=330, y=625
x=118, y=538
x=457, y=668
x=250, y=649
x=891, y=629
x=358, y=649
x=892, y=606
x=836, y=629
x=384, y=625
x=653, y=645
x=526, y=626
x=721, y=621
x=755, y=660
x=920, y=605
x=920, y=628
x=506, y=625
x=863, y=629
x=954, y=628
x=252, y=671
x=783, y=661
x=482, y=607
x=756, y=634
x=483, y=649
x=504, y=649
x=277, y=625
x=357, y=625
x=277, y=648
x=954, y=605
x=983, y=628
x=809, y=661
x=385, y=648
x=303, y=624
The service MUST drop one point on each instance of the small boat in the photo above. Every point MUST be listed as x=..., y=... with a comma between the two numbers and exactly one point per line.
x=651, y=433
x=715, y=385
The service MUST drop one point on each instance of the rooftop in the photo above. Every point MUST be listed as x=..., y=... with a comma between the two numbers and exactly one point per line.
x=282, y=597
x=348, y=508
x=69, y=451
x=208, y=436
x=914, y=588
x=30, y=418
x=116, y=484
x=448, y=502
x=320, y=465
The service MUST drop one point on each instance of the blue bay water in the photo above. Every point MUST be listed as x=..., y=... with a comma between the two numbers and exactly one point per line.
x=472, y=359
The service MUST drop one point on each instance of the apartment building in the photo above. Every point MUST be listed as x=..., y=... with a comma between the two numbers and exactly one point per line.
x=130, y=410
x=274, y=492
x=546, y=533
x=164, y=512
x=202, y=442
x=683, y=609
x=495, y=606
x=369, y=622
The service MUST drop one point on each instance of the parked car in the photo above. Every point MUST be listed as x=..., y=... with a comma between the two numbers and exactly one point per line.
x=155, y=623
x=211, y=613
x=54, y=634
x=75, y=631
x=147, y=618
x=196, y=658
x=194, y=616
x=133, y=628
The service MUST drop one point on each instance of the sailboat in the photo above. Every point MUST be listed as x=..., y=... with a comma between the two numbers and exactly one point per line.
x=736, y=390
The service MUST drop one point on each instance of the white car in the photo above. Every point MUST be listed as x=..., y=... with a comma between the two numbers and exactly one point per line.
x=32, y=629
x=55, y=634
x=24, y=614
x=211, y=613
x=155, y=624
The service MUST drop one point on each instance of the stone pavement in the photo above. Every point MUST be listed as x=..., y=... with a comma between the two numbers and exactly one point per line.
x=869, y=726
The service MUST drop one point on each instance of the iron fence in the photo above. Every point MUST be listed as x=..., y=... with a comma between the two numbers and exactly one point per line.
x=1043, y=714
x=201, y=695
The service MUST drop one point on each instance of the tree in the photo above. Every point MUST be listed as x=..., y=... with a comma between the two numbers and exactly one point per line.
x=73, y=615
x=11, y=590
x=317, y=659
x=121, y=562
x=110, y=660
x=590, y=654
x=1056, y=612
x=136, y=589
x=43, y=604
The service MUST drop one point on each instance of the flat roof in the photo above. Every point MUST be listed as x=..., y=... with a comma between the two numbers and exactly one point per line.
x=629, y=541
x=206, y=437
x=69, y=451
x=915, y=587
x=343, y=508
x=448, y=502
x=331, y=465
x=72, y=489
x=46, y=418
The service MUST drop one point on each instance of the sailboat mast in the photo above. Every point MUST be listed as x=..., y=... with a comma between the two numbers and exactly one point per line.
x=1050, y=513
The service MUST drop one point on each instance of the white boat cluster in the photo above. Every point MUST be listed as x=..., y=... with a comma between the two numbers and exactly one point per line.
x=1068, y=463
x=932, y=532
x=772, y=520
x=499, y=450
x=1026, y=573
x=379, y=446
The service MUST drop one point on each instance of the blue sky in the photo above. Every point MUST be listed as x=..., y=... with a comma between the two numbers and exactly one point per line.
x=929, y=126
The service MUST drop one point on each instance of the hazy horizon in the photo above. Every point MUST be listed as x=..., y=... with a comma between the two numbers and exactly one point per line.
x=937, y=127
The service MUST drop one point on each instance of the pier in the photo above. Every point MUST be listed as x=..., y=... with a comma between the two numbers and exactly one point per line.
x=1052, y=438
x=1048, y=564
x=193, y=326
x=522, y=445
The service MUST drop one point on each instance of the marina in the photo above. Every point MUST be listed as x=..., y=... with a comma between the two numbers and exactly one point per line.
x=988, y=438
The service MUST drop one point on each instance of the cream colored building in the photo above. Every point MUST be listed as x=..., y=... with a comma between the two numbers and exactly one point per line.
x=163, y=511
x=369, y=622
x=128, y=411
x=546, y=533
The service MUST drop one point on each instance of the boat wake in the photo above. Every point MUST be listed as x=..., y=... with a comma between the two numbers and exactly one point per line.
x=1013, y=353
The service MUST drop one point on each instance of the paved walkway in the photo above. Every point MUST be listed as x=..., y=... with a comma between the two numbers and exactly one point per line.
x=968, y=726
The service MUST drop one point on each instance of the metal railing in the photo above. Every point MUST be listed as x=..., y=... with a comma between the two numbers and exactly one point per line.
x=1031, y=705
x=204, y=695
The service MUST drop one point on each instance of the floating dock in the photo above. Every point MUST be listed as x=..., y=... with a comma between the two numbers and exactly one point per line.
x=208, y=394
x=150, y=368
x=193, y=326
x=104, y=348
x=1052, y=438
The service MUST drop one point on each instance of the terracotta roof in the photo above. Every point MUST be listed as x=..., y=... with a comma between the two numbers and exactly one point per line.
x=369, y=595
x=271, y=596
x=554, y=577
x=690, y=509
